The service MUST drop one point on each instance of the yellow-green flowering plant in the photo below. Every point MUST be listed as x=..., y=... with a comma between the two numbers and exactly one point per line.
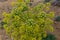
x=26, y=23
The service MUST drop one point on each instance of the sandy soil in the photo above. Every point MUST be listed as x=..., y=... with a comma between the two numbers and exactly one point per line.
x=56, y=24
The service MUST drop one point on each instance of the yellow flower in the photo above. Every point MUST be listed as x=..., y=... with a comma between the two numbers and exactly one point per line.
x=20, y=0
x=4, y=13
x=20, y=8
x=51, y=28
x=33, y=38
x=44, y=35
x=5, y=26
x=48, y=4
x=51, y=15
x=13, y=3
x=22, y=29
x=47, y=8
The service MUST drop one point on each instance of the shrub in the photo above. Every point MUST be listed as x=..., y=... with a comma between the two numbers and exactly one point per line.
x=26, y=23
x=50, y=37
x=47, y=0
x=57, y=18
x=1, y=25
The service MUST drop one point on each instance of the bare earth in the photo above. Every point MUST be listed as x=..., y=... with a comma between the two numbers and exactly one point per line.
x=6, y=6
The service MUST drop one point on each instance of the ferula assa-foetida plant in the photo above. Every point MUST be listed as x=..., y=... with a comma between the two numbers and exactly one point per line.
x=28, y=23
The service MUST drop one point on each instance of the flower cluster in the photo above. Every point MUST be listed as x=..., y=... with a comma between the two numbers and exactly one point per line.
x=26, y=23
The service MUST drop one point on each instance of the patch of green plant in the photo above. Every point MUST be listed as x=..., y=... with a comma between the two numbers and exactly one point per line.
x=47, y=0
x=57, y=18
x=1, y=25
x=28, y=23
x=50, y=37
